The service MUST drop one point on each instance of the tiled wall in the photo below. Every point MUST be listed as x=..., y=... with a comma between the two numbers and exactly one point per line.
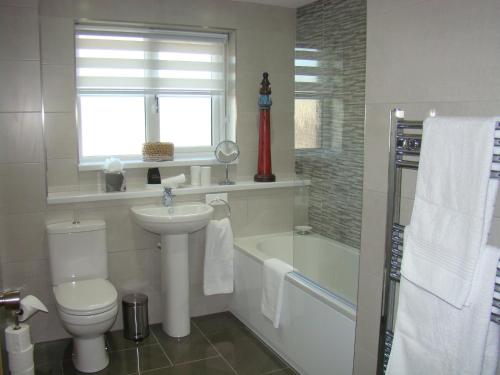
x=265, y=40
x=439, y=54
x=337, y=29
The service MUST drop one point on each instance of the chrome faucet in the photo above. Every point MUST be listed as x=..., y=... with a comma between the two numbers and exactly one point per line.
x=168, y=197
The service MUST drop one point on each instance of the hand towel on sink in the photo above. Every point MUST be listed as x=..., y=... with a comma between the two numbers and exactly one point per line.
x=218, y=274
x=451, y=212
x=273, y=280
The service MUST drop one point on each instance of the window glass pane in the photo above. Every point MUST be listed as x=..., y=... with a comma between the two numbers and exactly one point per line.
x=186, y=120
x=112, y=125
x=307, y=123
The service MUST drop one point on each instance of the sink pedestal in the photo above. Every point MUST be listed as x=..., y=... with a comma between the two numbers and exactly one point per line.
x=175, y=285
x=174, y=223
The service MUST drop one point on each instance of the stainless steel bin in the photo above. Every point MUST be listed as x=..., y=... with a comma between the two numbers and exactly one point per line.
x=135, y=316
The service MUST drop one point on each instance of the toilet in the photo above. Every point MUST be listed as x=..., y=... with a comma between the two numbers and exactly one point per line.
x=86, y=300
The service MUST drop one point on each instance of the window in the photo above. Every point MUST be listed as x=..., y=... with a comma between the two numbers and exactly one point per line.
x=307, y=98
x=140, y=84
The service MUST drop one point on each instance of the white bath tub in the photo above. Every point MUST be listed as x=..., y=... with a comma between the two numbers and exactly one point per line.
x=316, y=334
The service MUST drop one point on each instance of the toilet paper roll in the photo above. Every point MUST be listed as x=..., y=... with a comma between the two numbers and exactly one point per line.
x=17, y=340
x=195, y=175
x=30, y=371
x=21, y=361
x=30, y=305
x=206, y=176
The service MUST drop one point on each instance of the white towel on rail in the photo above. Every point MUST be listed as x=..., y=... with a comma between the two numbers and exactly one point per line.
x=218, y=273
x=273, y=281
x=450, y=219
x=433, y=337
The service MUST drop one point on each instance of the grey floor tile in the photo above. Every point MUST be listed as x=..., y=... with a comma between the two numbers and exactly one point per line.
x=49, y=369
x=285, y=371
x=52, y=351
x=115, y=341
x=128, y=361
x=246, y=354
x=238, y=345
x=213, y=366
x=213, y=323
x=186, y=349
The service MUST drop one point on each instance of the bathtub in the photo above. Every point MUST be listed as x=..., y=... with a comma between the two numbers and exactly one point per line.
x=316, y=333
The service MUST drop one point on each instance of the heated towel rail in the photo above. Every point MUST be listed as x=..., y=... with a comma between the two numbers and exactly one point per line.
x=405, y=142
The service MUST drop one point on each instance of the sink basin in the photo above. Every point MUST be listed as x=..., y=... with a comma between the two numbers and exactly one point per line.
x=178, y=219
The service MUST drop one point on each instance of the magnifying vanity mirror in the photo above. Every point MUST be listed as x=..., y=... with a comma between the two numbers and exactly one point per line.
x=226, y=152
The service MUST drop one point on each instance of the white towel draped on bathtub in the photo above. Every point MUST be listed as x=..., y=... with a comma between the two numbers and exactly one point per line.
x=273, y=280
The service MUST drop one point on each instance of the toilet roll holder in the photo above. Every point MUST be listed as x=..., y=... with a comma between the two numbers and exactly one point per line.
x=22, y=309
x=11, y=301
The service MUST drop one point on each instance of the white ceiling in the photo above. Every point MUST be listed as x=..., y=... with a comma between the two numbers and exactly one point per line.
x=281, y=3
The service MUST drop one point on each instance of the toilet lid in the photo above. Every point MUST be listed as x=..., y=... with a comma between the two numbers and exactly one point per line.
x=86, y=297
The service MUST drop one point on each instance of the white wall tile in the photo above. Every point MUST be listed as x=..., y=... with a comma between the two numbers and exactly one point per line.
x=259, y=51
x=58, y=88
x=21, y=138
x=456, y=58
x=364, y=362
x=135, y=271
x=368, y=311
x=18, y=33
x=57, y=8
x=23, y=187
x=122, y=233
x=62, y=174
x=57, y=38
x=20, y=89
x=30, y=277
x=20, y=3
x=270, y=214
x=25, y=238
x=61, y=137
x=373, y=231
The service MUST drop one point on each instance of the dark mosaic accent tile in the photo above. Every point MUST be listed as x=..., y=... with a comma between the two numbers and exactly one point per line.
x=115, y=341
x=245, y=352
x=337, y=30
x=53, y=351
x=185, y=349
x=212, y=366
x=214, y=323
x=128, y=361
x=49, y=369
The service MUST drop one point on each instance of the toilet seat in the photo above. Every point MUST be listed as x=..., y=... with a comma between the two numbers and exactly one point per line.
x=86, y=297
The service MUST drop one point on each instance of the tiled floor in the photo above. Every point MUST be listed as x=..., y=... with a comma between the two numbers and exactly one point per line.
x=218, y=344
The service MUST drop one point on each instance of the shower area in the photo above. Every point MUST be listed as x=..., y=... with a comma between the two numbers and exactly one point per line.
x=330, y=62
x=318, y=316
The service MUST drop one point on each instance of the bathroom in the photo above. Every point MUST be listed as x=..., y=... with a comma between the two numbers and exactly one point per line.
x=337, y=68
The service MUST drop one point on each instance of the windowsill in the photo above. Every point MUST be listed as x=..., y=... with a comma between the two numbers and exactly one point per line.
x=179, y=161
x=81, y=197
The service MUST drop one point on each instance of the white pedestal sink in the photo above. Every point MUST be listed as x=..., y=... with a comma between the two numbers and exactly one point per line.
x=174, y=224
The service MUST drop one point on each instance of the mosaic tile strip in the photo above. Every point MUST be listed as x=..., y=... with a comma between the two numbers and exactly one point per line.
x=335, y=32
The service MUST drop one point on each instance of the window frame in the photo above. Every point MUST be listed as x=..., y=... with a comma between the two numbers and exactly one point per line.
x=220, y=116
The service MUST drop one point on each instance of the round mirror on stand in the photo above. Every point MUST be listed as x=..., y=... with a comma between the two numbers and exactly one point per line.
x=226, y=152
